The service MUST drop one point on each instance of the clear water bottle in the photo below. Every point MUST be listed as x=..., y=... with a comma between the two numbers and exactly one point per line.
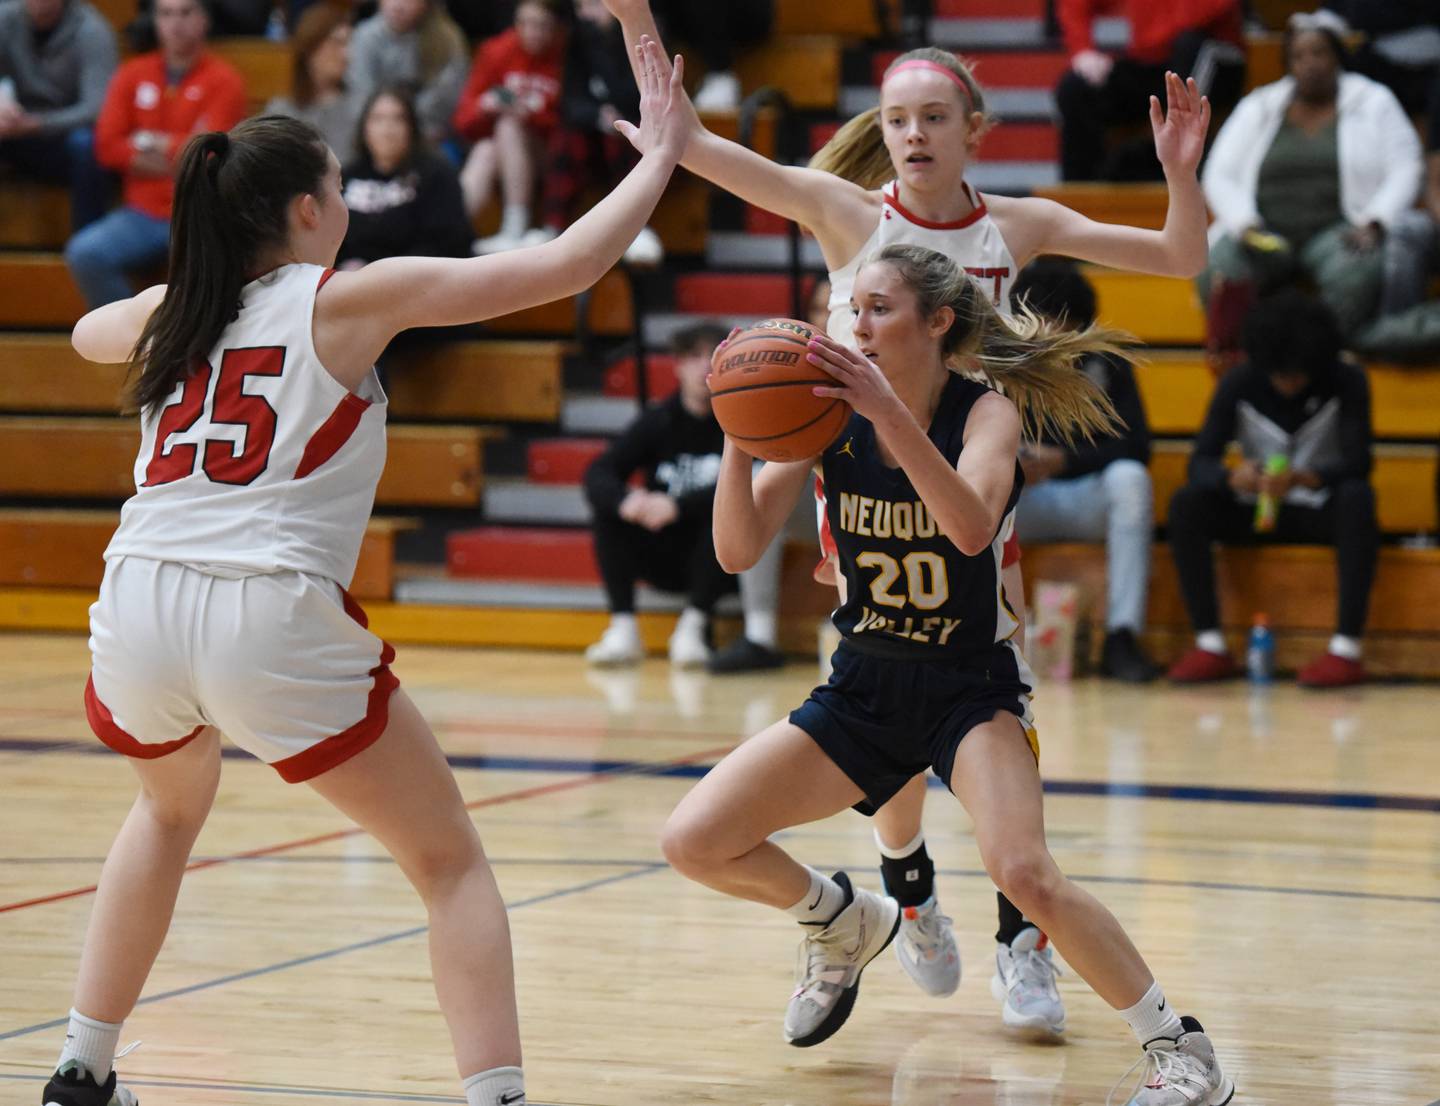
x=1260, y=654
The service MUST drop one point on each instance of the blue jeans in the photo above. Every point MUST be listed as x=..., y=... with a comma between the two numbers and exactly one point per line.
x=100, y=254
x=64, y=159
x=1116, y=504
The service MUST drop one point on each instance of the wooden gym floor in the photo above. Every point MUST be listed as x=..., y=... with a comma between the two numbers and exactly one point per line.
x=1276, y=854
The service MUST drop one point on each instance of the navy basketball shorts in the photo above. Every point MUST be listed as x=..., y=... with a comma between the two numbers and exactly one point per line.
x=883, y=719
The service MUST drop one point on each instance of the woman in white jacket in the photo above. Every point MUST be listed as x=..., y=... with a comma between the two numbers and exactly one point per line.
x=1303, y=180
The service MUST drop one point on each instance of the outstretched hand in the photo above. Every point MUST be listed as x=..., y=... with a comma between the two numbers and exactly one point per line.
x=861, y=383
x=1181, y=130
x=667, y=119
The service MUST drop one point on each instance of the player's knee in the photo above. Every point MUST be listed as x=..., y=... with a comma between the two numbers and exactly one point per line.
x=442, y=862
x=690, y=846
x=1028, y=879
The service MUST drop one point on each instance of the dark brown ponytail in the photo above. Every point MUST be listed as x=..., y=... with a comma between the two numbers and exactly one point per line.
x=232, y=200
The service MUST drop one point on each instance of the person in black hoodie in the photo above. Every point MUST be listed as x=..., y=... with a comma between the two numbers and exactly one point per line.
x=1293, y=402
x=659, y=531
x=403, y=199
x=586, y=150
x=1098, y=490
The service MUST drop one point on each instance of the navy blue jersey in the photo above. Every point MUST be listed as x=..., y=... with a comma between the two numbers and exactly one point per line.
x=909, y=589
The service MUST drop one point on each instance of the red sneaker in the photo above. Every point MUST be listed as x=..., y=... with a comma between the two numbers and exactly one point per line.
x=1200, y=666
x=1328, y=670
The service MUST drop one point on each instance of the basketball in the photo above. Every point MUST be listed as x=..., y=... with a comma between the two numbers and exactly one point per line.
x=760, y=391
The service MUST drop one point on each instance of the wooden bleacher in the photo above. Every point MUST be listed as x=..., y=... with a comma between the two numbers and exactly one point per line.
x=92, y=459
x=49, y=547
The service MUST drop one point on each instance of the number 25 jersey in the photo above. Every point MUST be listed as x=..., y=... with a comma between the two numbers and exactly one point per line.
x=260, y=461
x=910, y=591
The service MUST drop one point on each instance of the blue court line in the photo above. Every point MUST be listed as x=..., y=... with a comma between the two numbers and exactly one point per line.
x=358, y=946
x=247, y=1088
x=1344, y=800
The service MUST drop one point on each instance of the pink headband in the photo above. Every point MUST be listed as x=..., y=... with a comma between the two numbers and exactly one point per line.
x=921, y=63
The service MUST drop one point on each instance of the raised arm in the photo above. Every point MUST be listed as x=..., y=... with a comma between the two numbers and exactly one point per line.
x=358, y=313
x=1035, y=226
x=825, y=204
x=750, y=510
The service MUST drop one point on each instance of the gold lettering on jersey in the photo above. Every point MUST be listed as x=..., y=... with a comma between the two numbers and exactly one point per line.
x=923, y=631
x=882, y=518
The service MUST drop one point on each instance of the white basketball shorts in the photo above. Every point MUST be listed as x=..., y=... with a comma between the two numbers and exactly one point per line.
x=283, y=664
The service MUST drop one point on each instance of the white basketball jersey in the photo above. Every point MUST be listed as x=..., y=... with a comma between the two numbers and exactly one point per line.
x=973, y=242
x=260, y=461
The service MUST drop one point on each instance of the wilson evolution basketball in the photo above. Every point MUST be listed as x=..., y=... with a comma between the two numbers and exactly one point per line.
x=761, y=392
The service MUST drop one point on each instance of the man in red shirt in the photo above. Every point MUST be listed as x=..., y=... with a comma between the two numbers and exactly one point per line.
x=155, y=103
x=1195, y=38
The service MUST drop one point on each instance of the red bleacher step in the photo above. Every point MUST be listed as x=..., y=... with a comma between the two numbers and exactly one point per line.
x=522, y=553
x=1021, y=142
x=659, y=376
x=561, y=460
x=734, y=294
x=760, y=221
x=999, y=68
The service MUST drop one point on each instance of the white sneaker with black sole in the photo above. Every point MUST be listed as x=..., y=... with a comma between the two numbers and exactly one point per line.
x=1024, y=984
x=1179, y=1072
x=831, y=960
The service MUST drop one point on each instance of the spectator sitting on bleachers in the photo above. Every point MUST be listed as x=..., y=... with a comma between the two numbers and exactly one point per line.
x=1408, y=328
x=1304, y=179
x=318, y=95
x=1296, y=401
x=660, y=531
x=1402, y=44
x=585, y=149
x=155, y=104
x=715, y=33
x=509, y=108
x=56, y=57
x=1096, y=490
x=403, y=198
x=413, y=44
x=1195, y=38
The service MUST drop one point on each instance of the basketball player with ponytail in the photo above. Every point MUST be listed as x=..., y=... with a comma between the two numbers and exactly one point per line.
x=920, y=486
x=896, y=174
x=223, y=605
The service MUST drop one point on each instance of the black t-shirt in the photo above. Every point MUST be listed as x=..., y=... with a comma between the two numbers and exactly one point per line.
x=417, y=210
x=678, y=453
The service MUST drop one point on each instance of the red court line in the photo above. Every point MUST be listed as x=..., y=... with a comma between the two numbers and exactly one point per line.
x=354, y=831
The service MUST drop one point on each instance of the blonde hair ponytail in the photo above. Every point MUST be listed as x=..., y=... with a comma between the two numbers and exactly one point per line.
x=857, y=151
x=1032, y=361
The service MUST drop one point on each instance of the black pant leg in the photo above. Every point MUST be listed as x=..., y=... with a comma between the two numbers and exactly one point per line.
x=708, y=581
x=1198, y=517
x=618, y=549
x=1348, y=522
x=1082, y=127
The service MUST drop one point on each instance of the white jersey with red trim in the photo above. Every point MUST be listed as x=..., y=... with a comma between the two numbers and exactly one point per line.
x=260, y=461
x=974, y=242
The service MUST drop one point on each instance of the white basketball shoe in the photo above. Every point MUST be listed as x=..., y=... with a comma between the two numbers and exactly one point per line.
x=926, y=948
x=1180, y=1072
x=1024, y=983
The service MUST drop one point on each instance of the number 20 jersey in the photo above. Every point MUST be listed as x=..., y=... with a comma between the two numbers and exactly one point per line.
x=260, y=461
x=910, y=591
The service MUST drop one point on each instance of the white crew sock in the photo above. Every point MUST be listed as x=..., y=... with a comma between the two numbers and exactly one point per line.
x=1342, y=646
x=762, y=628
x=819, y=905
x=1153, y=1017
x=496, y=1087
x=1212, y=641
x=514, y=220
x=91, y=1042
x=903, y=851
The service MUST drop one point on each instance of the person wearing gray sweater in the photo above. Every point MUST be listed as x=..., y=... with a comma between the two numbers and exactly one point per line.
x=412, y=43
x=56, y=59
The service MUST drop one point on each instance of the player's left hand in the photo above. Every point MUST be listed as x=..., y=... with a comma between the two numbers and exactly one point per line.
x=862, y=385
x=1181, y=129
